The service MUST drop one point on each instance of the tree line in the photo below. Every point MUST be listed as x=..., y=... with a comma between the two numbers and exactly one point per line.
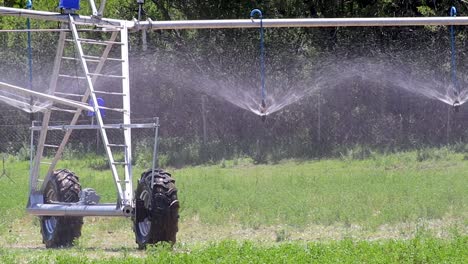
x=356, y=84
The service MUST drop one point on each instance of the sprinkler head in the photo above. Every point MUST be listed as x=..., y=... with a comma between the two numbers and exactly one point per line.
x=456, y=106
x=263, y=105
x=263, y=109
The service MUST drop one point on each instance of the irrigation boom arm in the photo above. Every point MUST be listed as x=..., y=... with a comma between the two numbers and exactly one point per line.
x=242, y=23
x=67, y=102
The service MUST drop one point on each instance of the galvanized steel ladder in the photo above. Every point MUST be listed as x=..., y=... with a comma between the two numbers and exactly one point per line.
x=123, y=182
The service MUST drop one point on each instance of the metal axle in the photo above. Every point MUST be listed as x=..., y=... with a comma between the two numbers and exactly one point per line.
x=79, y=210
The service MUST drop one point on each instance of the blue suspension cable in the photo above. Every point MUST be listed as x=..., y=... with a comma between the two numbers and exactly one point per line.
x=262, y=54
x=28, y=25
x=456, y=86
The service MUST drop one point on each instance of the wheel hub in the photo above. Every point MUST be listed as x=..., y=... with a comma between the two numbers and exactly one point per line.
x=144, y=223
x=50, y=224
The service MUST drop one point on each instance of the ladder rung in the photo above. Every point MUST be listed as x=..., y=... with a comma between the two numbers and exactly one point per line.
x=99, y=42
x=64, y=110
x=113, y=127
x=95, y=41
x=45, y=162
x=50, y=146
x=110, y=27
x=104, y=30
x=91, y=60
x=76, y=59
x=70, y=58
x=71, y=76
x=69, y=94
x=117, y=145
x=94, y=30
x=105, y=75
x=120, y=181
x=110, y=93
x=112, y=109
x=100, y=58
x=119, y=163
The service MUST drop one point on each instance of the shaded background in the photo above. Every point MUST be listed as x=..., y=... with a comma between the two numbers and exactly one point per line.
x=361, y=90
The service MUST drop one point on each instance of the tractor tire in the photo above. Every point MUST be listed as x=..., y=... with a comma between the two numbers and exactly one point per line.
x=61, y=231
x=157, y=209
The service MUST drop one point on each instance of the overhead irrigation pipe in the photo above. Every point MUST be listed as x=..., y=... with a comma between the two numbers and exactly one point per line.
x=456, y=85
x=241, y=23
x=302, y=22
x=262, y=61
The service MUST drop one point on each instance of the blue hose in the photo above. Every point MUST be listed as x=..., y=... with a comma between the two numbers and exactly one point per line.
x=456, y=86
x=262, y=53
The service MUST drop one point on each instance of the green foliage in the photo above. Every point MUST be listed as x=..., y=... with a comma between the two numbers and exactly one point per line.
x=386, y=189
x=459, y=147
x=281, y=235
x=370, y=192
x=358, y=152
x=417, y=250
x=96, y=162
x=176, y=62
x=426, y=11
x=180, y=152
x=260, y=154
x=144, y=153
x=358, y=120
x=433, y=154
x=24, y=152
x=74, y=151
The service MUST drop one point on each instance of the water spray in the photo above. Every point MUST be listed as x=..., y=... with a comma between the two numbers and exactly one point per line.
x=263, y=107
x=456, y=85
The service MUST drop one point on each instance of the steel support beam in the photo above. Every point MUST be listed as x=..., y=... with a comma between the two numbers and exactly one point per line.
x=107, y=126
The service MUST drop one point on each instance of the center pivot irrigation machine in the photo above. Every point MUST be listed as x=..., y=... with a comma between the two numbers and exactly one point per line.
x=55, y=195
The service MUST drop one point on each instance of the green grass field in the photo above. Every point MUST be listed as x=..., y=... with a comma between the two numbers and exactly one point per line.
x=417, y=250
x=388, y=208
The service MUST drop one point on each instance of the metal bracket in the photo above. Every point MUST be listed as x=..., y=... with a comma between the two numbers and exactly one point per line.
x=88, y=196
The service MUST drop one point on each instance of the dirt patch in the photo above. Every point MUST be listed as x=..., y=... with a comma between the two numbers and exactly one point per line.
x=193, y=231
x=114, y=236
